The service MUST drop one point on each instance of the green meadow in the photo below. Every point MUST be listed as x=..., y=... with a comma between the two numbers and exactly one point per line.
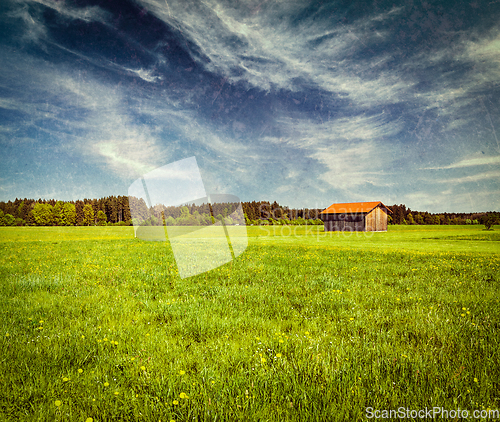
x=97, y=325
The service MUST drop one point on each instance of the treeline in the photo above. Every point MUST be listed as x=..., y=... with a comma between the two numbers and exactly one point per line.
x=119, y=210
x=113, y=210
x=264, y=213
x=188, y=215
x=403, y=215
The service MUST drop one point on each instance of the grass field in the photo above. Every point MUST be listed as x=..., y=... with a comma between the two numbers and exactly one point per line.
x=303, y=326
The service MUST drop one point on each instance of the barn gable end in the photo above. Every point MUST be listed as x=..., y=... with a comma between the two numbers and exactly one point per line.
x=356, y=216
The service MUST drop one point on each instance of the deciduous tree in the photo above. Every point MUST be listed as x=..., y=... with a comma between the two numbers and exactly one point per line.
x=43, y=214
x=489, y=220
x=88, y=215
x=101, y=218
x=58, y=213
x=69, y=214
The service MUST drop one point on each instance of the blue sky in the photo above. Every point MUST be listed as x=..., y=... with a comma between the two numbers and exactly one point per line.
x=303, y=102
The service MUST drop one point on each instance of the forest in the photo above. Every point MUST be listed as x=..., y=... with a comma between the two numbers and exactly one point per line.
x=125, y=211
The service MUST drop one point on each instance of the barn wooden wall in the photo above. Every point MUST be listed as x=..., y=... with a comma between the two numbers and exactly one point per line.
x=376, y=220
x=381, y=219
x=341, y=225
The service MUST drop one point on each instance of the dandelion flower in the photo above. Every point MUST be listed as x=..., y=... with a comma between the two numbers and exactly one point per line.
x=263, y=360
x=175, y=402
x=65, y=379
x=105, y=339
x=80, y=371
x=278, y=355
x=116, y=393
x=182, y=372
x=183, y=396
x=58, y=403
x=143, y=368
x=7, y=334
x=89, y=420
x=475, y=380
x=281, y=341
x=106, y=384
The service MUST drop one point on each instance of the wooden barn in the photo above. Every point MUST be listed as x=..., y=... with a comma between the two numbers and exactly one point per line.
x=356, y=216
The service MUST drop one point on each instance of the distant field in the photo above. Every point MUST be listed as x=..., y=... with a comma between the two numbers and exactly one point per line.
x=303, y=326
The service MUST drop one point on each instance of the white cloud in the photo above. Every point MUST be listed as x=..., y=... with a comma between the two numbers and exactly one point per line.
x=351, y=149
x=452, y=201
x=130, y=154
x=90, y=116
x=486, y=55
x=470, y=162
x=34, y=28
x=87, y=14
x=272, y=53
x=145, y=74
x=473, y=178
x=455, y=91
x=351, y=166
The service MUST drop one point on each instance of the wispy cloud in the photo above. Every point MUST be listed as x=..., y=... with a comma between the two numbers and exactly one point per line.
x=485, y=53
x=94, y=119
x=132, y=153
x=358, y=127
x=351, y=166
x=145, y=74
x=34, y=28
x=452, y=200
x=495, y=175
x=470, y=162
x=64, y=9
x=465, y=70
x=262, y=49
x=348, y=152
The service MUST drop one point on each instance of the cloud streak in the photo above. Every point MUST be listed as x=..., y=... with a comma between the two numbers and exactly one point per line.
x=495, y=175
x=470, y=162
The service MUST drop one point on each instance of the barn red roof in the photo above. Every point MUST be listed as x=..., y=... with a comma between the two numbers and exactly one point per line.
x=353, y=207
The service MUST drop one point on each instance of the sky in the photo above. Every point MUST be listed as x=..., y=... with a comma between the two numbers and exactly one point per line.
x=304, y=102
